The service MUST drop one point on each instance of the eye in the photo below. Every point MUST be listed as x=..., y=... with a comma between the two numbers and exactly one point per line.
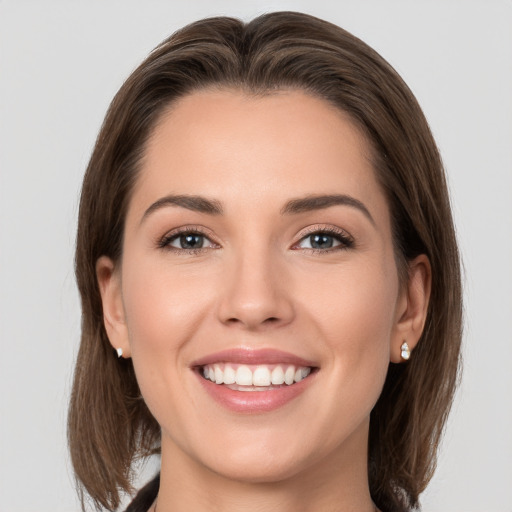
x=325, y=240
x=187, y=241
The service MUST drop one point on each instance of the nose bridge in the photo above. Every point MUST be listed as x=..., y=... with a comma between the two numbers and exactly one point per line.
x=256, y=293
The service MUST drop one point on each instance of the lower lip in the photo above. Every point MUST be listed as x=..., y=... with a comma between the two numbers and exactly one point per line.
x=251, y=402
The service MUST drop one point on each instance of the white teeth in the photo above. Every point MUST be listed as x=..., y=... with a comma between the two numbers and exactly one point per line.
x=229, y=375
x=261, y=376
x=289, y=375
x=277, y=376
x=257, y=378
x=219, y=377
x=301, y=373
x=244, y=376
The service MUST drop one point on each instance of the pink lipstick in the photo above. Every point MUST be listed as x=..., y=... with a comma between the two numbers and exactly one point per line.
x=254, y=381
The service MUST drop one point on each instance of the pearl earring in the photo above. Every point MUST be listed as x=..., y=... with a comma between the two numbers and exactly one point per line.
x=405, y=351
x=119, y=352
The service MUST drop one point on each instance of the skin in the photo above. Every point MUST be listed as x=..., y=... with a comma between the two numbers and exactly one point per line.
x=256, y=283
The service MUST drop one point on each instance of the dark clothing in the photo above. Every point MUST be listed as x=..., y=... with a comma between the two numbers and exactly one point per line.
x=145, y=497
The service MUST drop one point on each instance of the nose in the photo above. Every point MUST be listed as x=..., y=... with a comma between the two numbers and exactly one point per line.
x=256, y=293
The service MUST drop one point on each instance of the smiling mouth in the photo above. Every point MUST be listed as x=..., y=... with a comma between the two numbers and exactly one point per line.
x=242, y=377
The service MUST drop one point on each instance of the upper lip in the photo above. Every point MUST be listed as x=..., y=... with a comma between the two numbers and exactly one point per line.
x=253, y=356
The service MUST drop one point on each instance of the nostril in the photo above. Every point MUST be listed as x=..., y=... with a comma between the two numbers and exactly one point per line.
x=270, y=320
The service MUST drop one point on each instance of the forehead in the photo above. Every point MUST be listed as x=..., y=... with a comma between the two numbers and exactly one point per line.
x=231, y=145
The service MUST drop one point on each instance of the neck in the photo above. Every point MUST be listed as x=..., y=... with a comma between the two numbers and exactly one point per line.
x=334, y=484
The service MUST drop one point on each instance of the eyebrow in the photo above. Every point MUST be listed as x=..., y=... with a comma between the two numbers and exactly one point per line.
x=320, y=202
x=195, y=203
x=294, y=206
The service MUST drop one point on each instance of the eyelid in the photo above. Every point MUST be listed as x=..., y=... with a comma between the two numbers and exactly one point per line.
x=346, y=239
x=164, y=241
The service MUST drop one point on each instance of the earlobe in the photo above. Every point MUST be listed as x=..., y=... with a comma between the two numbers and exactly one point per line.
x=109, y=282
x=412, y=309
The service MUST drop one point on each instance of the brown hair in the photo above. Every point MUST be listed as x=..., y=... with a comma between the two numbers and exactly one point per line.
x=109, y=423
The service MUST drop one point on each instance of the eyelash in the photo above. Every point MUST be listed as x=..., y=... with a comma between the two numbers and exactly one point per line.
x=345, y=240
x=165, y=241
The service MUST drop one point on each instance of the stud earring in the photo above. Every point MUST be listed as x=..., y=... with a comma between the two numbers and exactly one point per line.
x=405, y=351
x=119, y=352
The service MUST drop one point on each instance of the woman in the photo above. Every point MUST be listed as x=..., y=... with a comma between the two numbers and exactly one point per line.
x=266, y=241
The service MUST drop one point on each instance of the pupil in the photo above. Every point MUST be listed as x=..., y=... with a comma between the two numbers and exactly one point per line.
x=321, y=241
x=191, y=241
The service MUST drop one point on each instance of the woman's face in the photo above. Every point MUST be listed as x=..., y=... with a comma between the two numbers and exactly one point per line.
x=257, y=249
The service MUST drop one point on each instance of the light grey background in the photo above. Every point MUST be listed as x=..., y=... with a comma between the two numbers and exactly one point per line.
x=61, y=63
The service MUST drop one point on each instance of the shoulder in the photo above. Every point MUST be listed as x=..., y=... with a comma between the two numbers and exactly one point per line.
x=145, y=497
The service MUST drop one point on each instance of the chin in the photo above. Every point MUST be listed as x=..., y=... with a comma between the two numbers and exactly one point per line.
x=257, y=457
x=258, y=470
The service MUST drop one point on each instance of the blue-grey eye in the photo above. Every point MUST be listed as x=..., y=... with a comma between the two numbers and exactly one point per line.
x=189, y=241
x=320, y=241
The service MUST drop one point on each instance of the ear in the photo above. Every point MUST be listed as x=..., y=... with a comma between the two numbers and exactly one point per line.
x=412, y=306
x=109, y=281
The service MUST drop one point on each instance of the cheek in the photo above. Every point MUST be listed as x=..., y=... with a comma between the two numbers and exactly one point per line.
x=163, y=309
x=355, y=305
x=354, y=313
x=161, y=306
